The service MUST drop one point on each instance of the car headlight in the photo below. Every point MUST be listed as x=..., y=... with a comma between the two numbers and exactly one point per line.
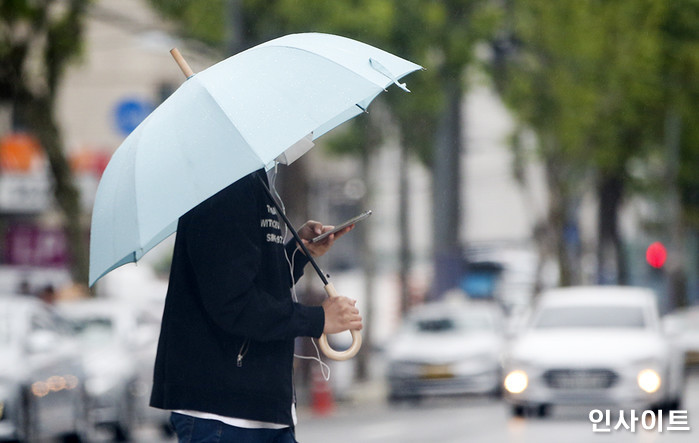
x=649, y=380
x=516, y=382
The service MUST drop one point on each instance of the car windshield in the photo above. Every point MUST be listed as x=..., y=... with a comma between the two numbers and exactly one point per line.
x=448, y=324
x=590, y=317
x=94, y=331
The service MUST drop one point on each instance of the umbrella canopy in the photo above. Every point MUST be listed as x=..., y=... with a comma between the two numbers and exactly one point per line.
x=260, y=106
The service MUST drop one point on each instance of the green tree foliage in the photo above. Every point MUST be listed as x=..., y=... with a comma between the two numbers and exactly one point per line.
x=201, y=20
x=681, y=79
x=440, y=35
x=595, y=80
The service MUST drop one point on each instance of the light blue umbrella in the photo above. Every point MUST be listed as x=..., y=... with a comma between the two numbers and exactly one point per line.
x=263, y=105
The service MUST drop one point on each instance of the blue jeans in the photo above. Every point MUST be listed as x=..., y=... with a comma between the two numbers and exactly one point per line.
x=199, y=430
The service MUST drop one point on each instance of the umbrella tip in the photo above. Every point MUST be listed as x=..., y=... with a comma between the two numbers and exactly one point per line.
x=181, y=62
x=386, y=73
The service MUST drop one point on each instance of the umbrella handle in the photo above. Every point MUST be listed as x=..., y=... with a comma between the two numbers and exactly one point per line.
x=323, y=341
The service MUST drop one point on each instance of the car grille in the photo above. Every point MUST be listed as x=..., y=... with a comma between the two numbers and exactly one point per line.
x=580, y=378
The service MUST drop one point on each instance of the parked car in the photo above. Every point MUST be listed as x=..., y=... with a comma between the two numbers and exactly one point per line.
x=116, y=351
x=42, y=381
x=446, y=348
x=682, y=325
x=145, y=340
x=596, y=346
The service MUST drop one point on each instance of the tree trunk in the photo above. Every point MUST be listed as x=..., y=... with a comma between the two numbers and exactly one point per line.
x=676, y=268
x=611, y=261
x=558, y=214
x=446, y=184
x=37, y=114
x=235, y=35
x=404, y=260
x=368, y=263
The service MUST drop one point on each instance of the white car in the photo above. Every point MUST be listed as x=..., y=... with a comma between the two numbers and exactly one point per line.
x=597, y=346
x=446, y=348
x=118, y=354
x=683, y=326
x=42, y=382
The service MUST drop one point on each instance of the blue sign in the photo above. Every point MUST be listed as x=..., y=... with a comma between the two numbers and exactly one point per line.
x=130, y=112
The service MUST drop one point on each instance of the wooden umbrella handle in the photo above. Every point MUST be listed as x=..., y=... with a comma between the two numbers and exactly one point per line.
x=323, y=341
x=181, y=62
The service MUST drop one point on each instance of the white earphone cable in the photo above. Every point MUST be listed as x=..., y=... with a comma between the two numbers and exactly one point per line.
x=324, y=367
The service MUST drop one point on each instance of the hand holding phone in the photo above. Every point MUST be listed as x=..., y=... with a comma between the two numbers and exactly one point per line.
x=342, y=226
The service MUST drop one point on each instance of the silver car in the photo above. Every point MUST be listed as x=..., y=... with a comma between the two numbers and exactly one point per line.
x=446, y=348
x=117, y=352
x=683, y=326
x=42, y=383
x=597, y=346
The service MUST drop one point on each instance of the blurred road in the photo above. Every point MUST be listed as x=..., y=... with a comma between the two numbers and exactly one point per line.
x=464, y=419
x=479, y=420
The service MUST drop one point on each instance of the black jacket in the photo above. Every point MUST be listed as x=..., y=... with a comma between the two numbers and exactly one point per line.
x=227, y=337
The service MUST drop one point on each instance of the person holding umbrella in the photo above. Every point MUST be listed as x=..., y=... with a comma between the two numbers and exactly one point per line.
x=196, y=166
x=225, y=354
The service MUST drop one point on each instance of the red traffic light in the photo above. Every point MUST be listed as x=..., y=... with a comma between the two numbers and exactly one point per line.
x=656, y=254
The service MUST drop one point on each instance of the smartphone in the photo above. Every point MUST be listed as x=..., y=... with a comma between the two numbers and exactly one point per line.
x=342, y=226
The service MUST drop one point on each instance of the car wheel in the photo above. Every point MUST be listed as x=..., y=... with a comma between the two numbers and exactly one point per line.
x=518, y=410
x=72, y=438
x=542, y=411
x=121, y=433
x=80, y=422
x=122, y=429
x=27, y=425
x=668, y=405
x=675, y=404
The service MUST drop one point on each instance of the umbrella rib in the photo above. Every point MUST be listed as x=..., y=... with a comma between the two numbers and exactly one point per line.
x=222, y=108
x=347, y=68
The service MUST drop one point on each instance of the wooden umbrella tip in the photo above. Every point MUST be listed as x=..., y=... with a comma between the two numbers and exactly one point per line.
x=181, y=62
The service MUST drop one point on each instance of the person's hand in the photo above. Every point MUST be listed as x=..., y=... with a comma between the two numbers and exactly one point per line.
x=341, y=314
x=312, y=229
